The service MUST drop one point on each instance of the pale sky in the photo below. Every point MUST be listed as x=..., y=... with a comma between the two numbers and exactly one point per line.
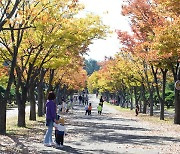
x=110, y=11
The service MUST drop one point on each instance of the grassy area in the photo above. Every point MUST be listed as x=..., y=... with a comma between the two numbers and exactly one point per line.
x=144, y=117
x=12, y=127
x=13, y=105
x=18, y=139
x=171, y=110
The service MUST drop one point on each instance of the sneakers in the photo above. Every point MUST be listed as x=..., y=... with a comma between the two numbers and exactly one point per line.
x=59, y=146
x=47, y=144
x=53, y=144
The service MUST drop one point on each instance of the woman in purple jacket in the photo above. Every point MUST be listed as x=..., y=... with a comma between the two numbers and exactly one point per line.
x=50, y=118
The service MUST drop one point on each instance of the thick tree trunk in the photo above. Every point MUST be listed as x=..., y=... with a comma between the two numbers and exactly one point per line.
x=21, y=109
x=4, y=100
x=177, y=107
x=21, y=98
x=21, y=114
x=40, y=94
x=177, y=96
x=2, y=116
x=40, y=100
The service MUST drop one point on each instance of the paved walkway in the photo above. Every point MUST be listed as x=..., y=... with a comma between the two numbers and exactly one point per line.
x=114, y=132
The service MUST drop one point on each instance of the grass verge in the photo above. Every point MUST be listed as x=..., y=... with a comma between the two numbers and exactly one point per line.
x=21, y=139
x=145, y=117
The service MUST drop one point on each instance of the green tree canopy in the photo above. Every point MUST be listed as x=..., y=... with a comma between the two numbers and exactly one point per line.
x=91, y=66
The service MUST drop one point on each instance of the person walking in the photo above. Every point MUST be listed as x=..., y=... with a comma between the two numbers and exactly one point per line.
x=86, y=99
x=101, y=101
x=86, y=109
x=80, y=99
x=99, y=108
x=50, y=118
x=89, y=109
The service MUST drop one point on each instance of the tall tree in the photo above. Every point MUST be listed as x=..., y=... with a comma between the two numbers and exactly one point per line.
x=91, y=65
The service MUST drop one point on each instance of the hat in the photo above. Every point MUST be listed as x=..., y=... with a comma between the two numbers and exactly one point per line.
x=61, y=120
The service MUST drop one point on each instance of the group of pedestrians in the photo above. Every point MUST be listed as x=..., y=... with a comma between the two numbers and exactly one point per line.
x=64, y=107
x=54, y=120
x=83, y=99
x=88, y=108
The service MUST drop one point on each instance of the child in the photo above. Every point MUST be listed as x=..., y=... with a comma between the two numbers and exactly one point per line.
x=89, y=109
x=59, y=108
x=60, y=131
x=99, y=109
x=86, y=109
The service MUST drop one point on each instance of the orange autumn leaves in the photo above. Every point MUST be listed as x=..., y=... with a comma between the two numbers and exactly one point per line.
x=154, y=40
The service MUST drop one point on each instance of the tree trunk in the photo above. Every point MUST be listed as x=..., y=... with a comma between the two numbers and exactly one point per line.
x=136, y=95
x=21, y=114
x=150, y=88
x=151, y=102
x=51, y=76
x=177, y=96
x=40, y=100
x=21, y=107
x=3, y=100
x=177, y=107
x=40, y=94
x=127, y=101
x=2, y=115
x=161, y=99
x=32, y=102
x=58, y=95
x=164, y=72
x=107, y=96
x=131, y=91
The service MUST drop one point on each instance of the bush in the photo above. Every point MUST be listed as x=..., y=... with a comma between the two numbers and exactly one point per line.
x=169, y=98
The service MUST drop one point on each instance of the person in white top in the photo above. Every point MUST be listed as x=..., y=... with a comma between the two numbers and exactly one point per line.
x=60, y=131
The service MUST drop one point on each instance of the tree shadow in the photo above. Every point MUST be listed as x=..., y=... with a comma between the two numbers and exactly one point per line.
x=111, y=132
x=69, y=149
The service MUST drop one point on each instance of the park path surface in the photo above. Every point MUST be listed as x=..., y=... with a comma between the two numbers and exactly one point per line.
x=114, y=132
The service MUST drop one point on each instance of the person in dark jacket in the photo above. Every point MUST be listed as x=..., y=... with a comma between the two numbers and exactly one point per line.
x=101, y=101
x=50, y=118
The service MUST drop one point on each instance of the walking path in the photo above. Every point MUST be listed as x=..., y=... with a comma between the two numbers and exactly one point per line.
x=113, y=132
